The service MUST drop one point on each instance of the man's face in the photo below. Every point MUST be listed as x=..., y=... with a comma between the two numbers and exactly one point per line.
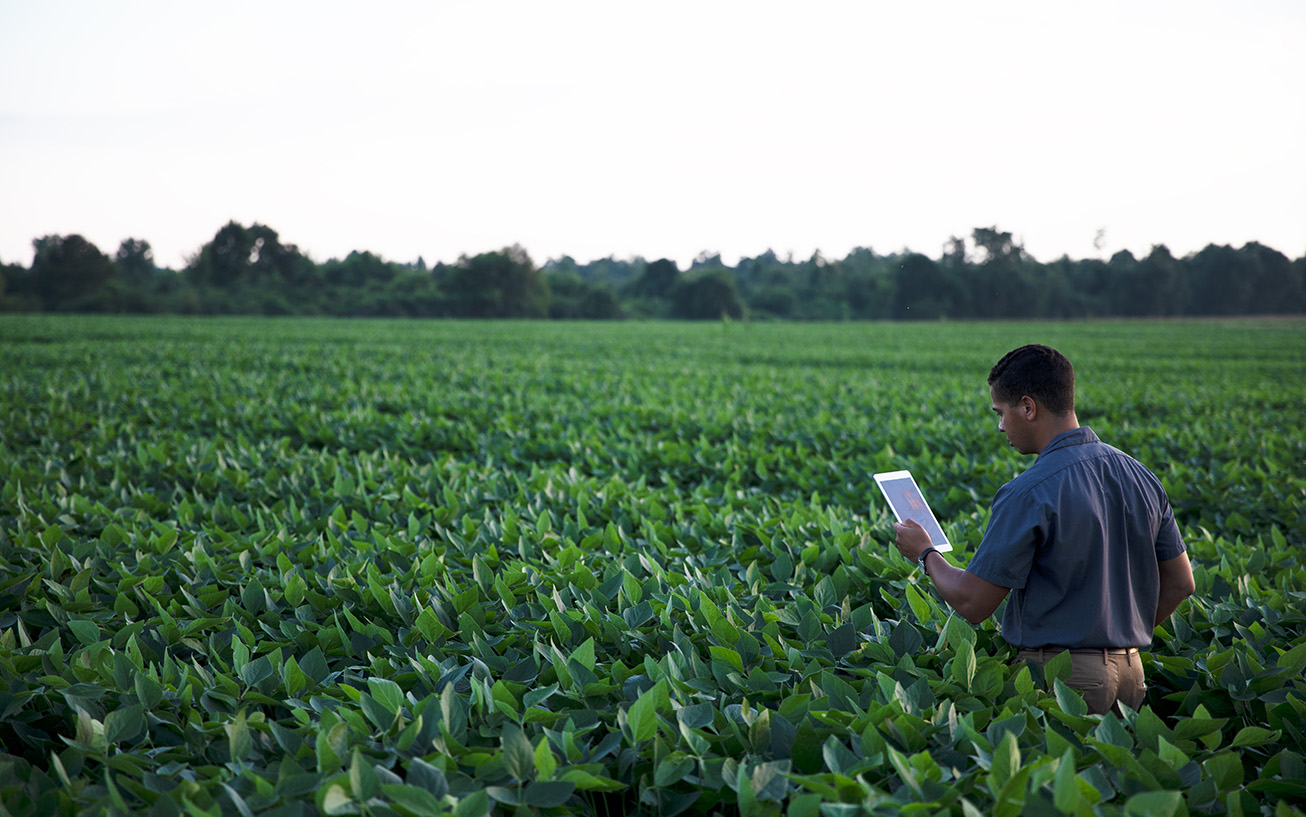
x=1014, y=420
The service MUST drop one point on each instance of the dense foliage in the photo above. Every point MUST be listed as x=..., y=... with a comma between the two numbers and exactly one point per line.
x=248, y=270
x=416, y=568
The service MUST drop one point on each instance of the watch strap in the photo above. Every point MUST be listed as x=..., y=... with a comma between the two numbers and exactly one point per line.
x=921, y=559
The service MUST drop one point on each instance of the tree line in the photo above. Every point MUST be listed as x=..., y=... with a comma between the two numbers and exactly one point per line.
x=249, y=270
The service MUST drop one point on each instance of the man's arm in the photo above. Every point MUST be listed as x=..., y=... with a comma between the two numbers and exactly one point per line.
x=1176, y=585
x=973, y=598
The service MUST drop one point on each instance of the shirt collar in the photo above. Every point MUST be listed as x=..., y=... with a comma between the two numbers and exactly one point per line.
x=1075, y=436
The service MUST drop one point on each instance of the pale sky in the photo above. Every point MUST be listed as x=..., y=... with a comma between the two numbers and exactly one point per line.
x=666, y=129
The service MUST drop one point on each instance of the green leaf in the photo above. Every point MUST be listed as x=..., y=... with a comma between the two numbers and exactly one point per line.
x=836, y=755
x=1294, y=660
x=535, y=697
x=1254, y=736
x=481, y=573
x=518, y=754
x=387, y=693
x=546, y=765
x=905, y=772
x=638, y=615
x=330, y=745
x=256, y=671
x=85, y=631
x=1006, y=761
x=726, y=633
x=959, y=631
x=476, y=804
x=337, y=801
x=921, y=608
x=427, y=777
x=642, y=716
x=672, y=769
x=1111, y=730
x=631, y=587
x=1226, y=770
x=148, y=691
x=363, y=781
x=805, y=805
x=239, y=741
x=294, y=677
x=584, y=655
x=295, y=590
x=124, y=724
x=842, y=640
x=824, y=593
x=1057, y=668
x=696, y=716
x=314, y=665
x=586, y=781
x=1065, y=787
x=1070, y=700
x=809, y=627
x=417, y=800
x=253, y=598
x=505, y=593
x=548, y=794
x=1155, y=804
x=380, y=717
x=727, y=656
x=782, y=569
x=963, y=664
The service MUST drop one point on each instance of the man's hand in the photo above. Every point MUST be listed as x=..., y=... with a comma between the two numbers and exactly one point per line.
x=912, y=538
x=974, y=598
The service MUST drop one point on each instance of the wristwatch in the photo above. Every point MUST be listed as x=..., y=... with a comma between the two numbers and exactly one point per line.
x=921, y=559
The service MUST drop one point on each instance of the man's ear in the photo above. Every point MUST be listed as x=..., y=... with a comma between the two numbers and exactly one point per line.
x=1029, y=407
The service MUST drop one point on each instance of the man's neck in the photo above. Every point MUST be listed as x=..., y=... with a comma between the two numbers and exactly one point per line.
x=1055, y=428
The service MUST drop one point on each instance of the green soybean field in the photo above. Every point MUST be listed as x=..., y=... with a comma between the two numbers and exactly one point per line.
x=373, y=567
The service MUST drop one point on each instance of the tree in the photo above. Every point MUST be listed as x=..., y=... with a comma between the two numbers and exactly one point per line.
x=135, y=260
x=826, y=296
x=359, y=270
x=1221, y=283
x=572, y=298
x=1165, y=288
x=707, y=295
x=1089, y=286
x=68, y=271
x=15, y=290
x=872, y=290
x=767, y=285
x=923, y=290
x=1000, y=285
x=503, y=284
x=1127, y=290
x=242, y=257
x=1274, y=288
x=657, y=280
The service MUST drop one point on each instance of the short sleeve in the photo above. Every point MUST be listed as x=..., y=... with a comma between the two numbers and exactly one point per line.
x=1169, y=544
x=1006, y=554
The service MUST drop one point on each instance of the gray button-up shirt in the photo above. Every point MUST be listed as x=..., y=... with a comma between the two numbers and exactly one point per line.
x=1077, y=538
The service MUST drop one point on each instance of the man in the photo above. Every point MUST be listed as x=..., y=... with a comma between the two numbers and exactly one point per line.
x=1084, y=541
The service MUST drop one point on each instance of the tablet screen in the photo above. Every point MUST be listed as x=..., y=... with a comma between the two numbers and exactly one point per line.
x=907, y=502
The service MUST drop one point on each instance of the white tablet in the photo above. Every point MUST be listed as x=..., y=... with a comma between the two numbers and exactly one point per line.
x=907, y=502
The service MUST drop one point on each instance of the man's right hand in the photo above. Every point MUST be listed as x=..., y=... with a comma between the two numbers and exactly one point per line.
x=912, y=538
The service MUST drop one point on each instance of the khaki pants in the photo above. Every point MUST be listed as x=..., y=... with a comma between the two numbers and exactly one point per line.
x=1103, y=676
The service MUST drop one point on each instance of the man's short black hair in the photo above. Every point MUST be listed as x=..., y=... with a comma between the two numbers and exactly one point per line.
x=1040, y=372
